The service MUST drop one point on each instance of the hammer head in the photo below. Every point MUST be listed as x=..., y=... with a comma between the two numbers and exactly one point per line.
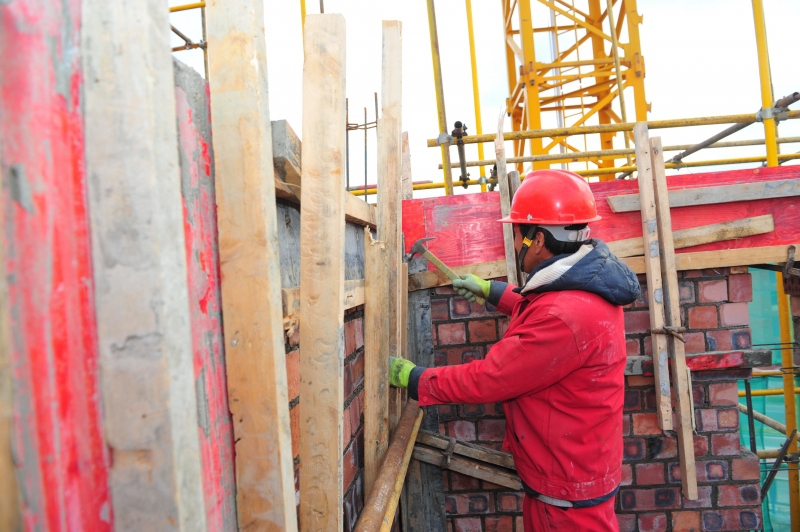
x=418, y=248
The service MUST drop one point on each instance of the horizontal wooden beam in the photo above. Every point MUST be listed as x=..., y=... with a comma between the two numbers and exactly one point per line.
x=491, y=473
x=355, y=210
x=469, y=450
x=687, y=197
x=697, y=260
x=704, y=234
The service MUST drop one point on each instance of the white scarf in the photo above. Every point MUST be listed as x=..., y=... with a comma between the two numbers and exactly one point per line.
x=557, y=269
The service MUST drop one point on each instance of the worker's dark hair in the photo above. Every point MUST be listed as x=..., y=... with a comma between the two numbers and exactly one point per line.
x=556, y=247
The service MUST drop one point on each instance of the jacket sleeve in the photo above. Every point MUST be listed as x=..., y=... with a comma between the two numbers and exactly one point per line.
x=517, y=365
x=502, y=296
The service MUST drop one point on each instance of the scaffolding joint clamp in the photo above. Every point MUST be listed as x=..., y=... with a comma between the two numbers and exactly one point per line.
x=444, y=138
x=767, y=113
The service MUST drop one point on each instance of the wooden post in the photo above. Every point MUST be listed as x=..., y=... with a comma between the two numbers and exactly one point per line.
x=322, y=244
x=249, y=264
x=655, y=292
x=505, y=203
x=376, y=357
x=407, y=187
x=680, y=375
x=141, y=296
x=389, y=188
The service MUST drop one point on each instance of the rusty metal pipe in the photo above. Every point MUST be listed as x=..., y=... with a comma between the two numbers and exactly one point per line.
x=381, y=505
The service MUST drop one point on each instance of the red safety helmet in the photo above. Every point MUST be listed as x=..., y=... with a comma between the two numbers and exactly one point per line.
x=552, y=197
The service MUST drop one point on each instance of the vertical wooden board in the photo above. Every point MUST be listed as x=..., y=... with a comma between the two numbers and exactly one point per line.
x=376, y=358
x=249, y=260
x=202, y=261
x=322, y=274
x=680, y=379
x=655, y=292
x=50, y=412
x=141, y=298
x=407, y=187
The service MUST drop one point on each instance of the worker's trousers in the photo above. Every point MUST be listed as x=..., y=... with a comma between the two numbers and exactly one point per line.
x=542, y=517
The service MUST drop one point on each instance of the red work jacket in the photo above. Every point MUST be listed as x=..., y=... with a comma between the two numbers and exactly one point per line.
x=559, y=371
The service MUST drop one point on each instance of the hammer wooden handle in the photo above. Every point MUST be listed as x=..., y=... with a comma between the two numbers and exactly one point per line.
x=447, y=271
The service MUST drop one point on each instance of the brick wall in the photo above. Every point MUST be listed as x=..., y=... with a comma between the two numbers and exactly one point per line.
x=353, y=422
x=714, y=308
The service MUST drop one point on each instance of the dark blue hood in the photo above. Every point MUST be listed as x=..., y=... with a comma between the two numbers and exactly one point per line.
x=599, y=272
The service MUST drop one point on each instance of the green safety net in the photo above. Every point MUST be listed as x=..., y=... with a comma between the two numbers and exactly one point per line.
x=766, y=334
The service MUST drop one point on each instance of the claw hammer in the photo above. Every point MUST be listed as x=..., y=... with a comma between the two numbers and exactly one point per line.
x=419, y=249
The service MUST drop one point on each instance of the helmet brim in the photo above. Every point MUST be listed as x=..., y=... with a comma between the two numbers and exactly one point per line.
x=512, y=220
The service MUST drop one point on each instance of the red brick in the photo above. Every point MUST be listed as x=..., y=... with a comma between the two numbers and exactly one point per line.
x=637, y=322
x=462, y=430
x=645, y=424
x=632, y=400
x=350, y=460
x=633, y=348
x=733, y=314
x=723, y=340
x=650, y=474
x=725, y=444
x=459, y=482
x=356, y=409
x=293, y=373
x=468, y=524
x=745, y=468
x=647, y=343
x=480, y=503
x=509, y=502
x=634, y=449
x=712, y=291
x=445, y=290
x=627, y=522
x=294, y=426
x=482, y=331
x=652, y=522
x=491, y=429
x=502, y=326
x=627, y=475
x=703, y=317
x=749, y=495
x=728, y=418
x=649, y=499
x=626, y=425
x=349, y=337
x=721, y=394
x=700, y=445
x=729, y=520
x=686, y=291
x=499, y=523
x=472, y=410
x=640, y=380
x=519, y=524
x=695, y=342
x=794, y=305
x=357, y=369
x=452, y=333
x=709, y=471
x=703, y=497
x=455, y=356
x=439, y=310
x=689, y=274
x=706, y=419
x=459, y=308
x=740, y=288
x=686, y=521
x=664, y=447
x=347, y=427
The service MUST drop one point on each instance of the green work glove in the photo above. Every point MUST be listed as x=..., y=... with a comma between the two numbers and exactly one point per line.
x=470, y=286
x=399, y=371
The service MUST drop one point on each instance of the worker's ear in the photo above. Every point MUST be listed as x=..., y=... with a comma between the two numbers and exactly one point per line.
x=539, y=240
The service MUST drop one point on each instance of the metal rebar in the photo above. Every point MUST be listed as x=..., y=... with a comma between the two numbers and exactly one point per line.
x=347, y=142
x=751, y=425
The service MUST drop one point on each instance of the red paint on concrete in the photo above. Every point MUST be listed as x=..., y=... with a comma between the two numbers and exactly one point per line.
x=200, y=231
x=61, y=458
x=466, y=230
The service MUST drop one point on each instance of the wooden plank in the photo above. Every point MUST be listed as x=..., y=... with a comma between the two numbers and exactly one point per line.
x=655, y=290
x=249, y=264
x=684, y=238
x=140, y=274
x=376, y=357
x=680, y=376
x=389, y=200
x=746, y=358
x=322, y=273
x=355, y=210
x=471, y=468
x=714, y=195
x=434, y=278
x=470, y=450
x=406, y=184
x=286, y=154
x=505, y=203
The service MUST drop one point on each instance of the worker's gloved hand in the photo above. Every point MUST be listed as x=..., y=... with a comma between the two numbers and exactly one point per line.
x=399, y=371
x=470, y=286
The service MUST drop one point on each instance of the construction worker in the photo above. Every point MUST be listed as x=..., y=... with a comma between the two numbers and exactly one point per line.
x=559, y=368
